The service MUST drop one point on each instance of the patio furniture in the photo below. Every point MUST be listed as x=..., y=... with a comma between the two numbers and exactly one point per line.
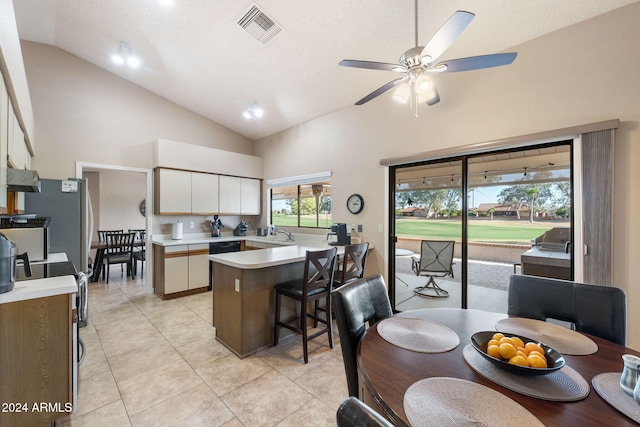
x=436, y=260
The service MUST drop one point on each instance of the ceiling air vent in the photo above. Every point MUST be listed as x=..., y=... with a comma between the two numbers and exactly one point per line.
x=259, y=25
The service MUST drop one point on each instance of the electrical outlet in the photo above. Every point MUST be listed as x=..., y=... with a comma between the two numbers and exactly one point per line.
x=380, y=229
x=237, y=285
x=192, y=225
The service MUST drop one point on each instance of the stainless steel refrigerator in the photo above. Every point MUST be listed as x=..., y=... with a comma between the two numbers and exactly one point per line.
x=68, y=204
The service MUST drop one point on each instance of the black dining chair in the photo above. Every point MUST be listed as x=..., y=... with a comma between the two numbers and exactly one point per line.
x=436, y=260
x=314, y=285
x=119, y=251
x=139, y=253
x=352, y=264
x=355, y=413
x=358, y=304
x=593, y=309
x=101, y=252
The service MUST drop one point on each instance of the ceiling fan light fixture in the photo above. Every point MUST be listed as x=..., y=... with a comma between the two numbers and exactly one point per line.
x=422, y=84
x=402, y=93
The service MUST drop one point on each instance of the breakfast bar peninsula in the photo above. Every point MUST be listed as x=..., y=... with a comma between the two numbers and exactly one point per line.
x=243, y=294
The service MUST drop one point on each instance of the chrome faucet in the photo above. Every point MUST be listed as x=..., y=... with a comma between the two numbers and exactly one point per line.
x=286, y=233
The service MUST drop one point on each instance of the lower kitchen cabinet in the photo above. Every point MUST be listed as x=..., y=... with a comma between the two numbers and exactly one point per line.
x=36, y=361
x=180, y=270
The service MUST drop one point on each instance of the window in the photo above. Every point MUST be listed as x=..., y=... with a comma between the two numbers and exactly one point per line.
x=301, y=201
x=303, y=205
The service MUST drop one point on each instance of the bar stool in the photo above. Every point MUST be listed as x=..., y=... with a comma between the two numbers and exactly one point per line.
x=315, y=285
x=353, y=262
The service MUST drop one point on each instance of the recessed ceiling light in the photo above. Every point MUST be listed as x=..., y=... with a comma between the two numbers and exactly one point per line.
x=253, y=112
x=124, y=55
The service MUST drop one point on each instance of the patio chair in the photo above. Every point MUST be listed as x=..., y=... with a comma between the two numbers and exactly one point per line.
x=436, y=260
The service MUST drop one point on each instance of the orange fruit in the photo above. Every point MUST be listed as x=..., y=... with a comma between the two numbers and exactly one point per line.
x=531, y=346
x=508, y=340
x=507, y=350
x=521, y=353
x=518, y=360
x=497, y=336
x=518, y=342
x=536, y=361
x=494, y=351
x=493, y=342
x=536, y=352
x=522, y=349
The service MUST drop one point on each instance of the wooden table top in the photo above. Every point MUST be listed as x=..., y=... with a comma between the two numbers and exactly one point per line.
x=387, y=371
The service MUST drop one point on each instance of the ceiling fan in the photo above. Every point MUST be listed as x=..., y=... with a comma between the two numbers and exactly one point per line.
x=418, y=62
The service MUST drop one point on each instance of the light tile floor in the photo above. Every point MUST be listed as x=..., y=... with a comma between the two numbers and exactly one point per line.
x=156, y=363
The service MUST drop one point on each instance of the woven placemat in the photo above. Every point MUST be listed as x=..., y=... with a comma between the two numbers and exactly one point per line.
x=563, y=385
x=455, y=402
x=562, y=340
x=425, y=336
x=607, y=385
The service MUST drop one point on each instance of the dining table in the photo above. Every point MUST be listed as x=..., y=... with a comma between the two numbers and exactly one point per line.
x=387, y=371
x=101, y=246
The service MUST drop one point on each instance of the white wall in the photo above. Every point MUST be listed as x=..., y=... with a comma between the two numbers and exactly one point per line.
x=582, y=74
x=84, y=113
x=120, y=195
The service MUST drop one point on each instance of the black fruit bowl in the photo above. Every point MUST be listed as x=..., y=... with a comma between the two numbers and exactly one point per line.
x=555, y=360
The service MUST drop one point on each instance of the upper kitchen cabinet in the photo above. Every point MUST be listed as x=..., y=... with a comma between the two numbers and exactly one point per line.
x=250, y=200
x=230, y=187
x=173, y=192
x=240, y=195
x=204, y=193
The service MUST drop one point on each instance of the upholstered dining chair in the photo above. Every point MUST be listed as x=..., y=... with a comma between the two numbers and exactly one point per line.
x=594, y=309
x=358, y=304
x=352, y=265
x=314, y=285
x=119, y=251
x=355, y=413
x=436, y=260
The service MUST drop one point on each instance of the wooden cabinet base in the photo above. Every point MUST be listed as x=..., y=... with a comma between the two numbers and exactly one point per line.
x=179, y=294
x=35, y=361
x=244, y=315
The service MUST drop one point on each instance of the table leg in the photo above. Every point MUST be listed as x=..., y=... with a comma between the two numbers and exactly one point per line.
x=97, y=265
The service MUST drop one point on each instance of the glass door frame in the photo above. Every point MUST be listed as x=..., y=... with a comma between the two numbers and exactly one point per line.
x=464, y=159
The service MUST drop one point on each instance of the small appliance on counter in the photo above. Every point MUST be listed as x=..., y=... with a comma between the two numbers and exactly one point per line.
x=340, y=234
x=9, y=264
x=241, y=229
x=216, y=226
x=261, y=231
x=176, y=231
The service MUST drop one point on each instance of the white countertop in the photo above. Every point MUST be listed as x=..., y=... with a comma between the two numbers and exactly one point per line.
x=299, y=239
x=40, y=288
x=269, y=257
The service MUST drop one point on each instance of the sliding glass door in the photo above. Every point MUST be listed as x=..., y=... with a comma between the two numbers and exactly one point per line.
x=507, y=212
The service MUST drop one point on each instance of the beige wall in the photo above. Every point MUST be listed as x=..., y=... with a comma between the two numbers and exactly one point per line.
x=583, y=74
x=84, y=113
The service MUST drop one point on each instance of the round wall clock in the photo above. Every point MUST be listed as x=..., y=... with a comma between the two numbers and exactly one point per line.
x=143, y=208
x=355, y=203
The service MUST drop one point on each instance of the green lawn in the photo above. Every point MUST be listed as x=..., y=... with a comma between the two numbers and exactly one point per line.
x=480, y=230
x=305, y=221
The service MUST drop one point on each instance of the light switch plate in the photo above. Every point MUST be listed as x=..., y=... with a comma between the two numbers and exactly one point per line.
x=237, y=285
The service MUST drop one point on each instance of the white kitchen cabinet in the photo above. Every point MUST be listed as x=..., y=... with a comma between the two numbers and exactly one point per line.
x=204, y=193
x=176, y=269
x=250, y=200
x=173, y=192
x=4, y=144
x=230, y=200
x=198, y=266
x=180, y=270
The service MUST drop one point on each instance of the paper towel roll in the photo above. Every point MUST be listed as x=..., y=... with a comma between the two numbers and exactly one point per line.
x=176, y=231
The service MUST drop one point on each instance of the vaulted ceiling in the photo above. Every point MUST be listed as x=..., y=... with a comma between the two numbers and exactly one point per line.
x=194, y=53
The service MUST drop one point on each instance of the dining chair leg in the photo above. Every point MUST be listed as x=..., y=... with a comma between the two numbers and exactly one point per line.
x=329, y=317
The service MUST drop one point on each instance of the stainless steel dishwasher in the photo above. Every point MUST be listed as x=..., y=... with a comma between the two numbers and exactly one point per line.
x=221, y=248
